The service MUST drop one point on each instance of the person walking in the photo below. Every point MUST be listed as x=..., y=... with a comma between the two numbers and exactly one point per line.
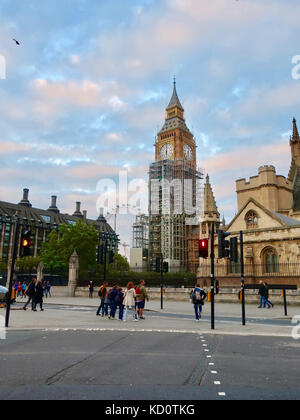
x=262, y=293
x=30, y=291
x=198, y=297
x=91, y=289
x=267, y=295
x=129, y=301
x=24, y=287
x=45, y=290
x=141, y=297
x=38, y=296
x=102, y=295
x=19, y=290
x=48, y=287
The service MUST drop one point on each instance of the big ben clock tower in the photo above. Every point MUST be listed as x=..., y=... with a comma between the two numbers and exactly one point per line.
x=175, y=141
x=173, y=192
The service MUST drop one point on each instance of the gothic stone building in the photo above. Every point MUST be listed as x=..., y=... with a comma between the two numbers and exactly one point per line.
x=269, y=216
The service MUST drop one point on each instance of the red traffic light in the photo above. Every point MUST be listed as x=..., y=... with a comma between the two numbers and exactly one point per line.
x=203, y=248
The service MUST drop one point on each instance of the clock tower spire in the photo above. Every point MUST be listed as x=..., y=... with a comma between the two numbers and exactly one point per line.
x=175, y=141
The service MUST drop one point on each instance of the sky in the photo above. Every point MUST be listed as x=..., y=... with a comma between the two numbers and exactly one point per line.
x=85, y=93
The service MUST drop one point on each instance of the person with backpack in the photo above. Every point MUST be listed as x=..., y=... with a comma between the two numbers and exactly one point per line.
x=129, y=301
x=198, y=297
x=141, y=297
x=102, y=295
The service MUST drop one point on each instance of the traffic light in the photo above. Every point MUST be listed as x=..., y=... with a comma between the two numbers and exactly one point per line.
x=26, y=243
x=234, y=255
x=165, y=267
x=203, y=248
x=223, y=245
x=100, y=254
x=157, y=265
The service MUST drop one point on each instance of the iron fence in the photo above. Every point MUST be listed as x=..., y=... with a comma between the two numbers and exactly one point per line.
x=253, y=270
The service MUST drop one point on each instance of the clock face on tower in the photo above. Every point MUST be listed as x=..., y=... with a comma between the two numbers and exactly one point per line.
x=166, y=151
x=188, y=152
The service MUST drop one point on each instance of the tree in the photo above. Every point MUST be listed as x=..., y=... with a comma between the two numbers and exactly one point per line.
x=120, y=263
x=56, y=253
x=28, y=264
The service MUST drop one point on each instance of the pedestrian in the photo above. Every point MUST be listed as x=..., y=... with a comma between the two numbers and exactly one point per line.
x=262, y=293
x=267, y=295
x=111, y=297
x=141, y=297
x=24, y=287
x=119, y=303
x=129, y=301
x=198, y=297
x=30, y=291
x=45, y=291
x=91, y=290
x=102, y=295
x=16, y=287
x=38, y=295
x=48, y=287
x=19, y=290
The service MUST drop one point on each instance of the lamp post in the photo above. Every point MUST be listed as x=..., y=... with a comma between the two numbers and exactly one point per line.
x=16, y=228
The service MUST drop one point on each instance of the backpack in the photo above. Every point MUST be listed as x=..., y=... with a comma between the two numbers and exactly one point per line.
x=138, y=291
x=198, y=296
x=101, y=292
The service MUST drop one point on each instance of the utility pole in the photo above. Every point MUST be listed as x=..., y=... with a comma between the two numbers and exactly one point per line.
x=212, y=256
x=243, y=278
x=16, y=228
x=161, y=282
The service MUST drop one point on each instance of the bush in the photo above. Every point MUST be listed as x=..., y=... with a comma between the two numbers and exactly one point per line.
x=152, y=279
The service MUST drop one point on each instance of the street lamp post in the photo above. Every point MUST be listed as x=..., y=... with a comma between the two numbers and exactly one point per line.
x=16, y=228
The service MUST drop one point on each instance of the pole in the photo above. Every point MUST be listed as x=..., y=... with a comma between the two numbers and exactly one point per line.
x=12, y=269
x=212, y=256
x=161, y=282
x=285, y=303
x=243, y=279
x=105, y=254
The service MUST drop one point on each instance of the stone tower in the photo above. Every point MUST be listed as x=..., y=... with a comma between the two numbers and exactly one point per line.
x=173, y=181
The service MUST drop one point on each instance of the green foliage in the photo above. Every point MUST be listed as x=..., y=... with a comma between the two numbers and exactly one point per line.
x=120, y=264
x=152, y=279
x=56, y=252
x=27, y=264
x=3, y=266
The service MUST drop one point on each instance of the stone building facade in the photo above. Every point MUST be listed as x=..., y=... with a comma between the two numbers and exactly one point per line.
x=41, y=223
x=269, y=216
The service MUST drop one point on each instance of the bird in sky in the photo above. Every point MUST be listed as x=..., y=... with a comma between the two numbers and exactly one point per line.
x=17, y=42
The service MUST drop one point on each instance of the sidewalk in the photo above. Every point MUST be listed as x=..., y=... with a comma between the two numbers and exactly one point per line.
x=186, y=308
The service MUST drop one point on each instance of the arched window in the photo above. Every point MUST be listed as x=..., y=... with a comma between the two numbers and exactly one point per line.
x=270, y=261
x=251, y=220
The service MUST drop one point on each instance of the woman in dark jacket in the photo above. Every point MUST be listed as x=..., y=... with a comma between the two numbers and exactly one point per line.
x=38, y=295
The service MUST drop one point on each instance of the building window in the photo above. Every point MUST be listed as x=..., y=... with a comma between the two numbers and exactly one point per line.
x=270, y=261
x=251, y=220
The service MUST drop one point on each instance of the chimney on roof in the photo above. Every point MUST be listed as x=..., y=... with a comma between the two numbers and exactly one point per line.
x=53, y=206
x=78, y=211
x=25, y=201
x=101, y=217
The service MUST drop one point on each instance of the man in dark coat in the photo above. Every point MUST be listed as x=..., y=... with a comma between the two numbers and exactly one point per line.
x=38, y=295
x=30, y=291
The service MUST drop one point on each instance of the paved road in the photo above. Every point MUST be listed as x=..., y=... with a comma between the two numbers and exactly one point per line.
x=120, y=365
